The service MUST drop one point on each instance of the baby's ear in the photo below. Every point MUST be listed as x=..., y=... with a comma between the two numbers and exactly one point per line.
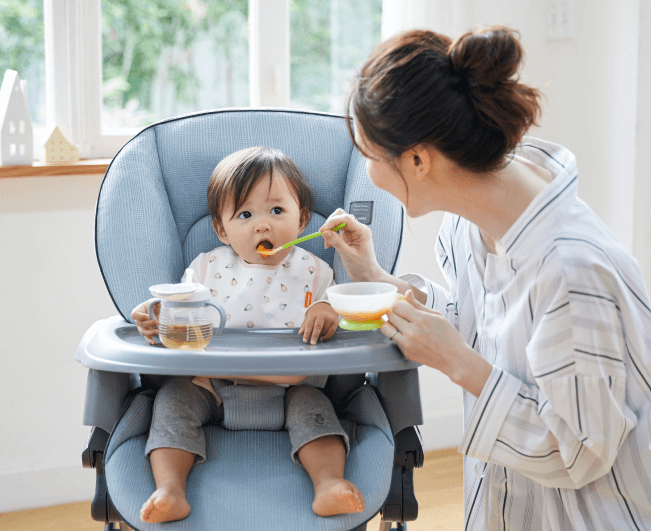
x=305, y=218
x=221, y=233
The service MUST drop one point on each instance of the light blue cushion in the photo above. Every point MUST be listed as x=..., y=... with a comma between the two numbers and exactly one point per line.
x=152, y=215
x=249, y=482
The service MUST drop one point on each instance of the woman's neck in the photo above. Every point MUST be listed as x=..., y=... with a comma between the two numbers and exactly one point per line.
x=492, y=201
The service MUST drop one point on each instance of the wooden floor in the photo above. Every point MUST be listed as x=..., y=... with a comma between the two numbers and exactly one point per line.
x=439, y=490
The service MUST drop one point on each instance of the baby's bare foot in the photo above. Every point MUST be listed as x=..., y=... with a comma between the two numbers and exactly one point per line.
x=165, y=505
x=337, y=496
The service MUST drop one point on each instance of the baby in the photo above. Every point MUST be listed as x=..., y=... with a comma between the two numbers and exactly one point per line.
x=256, y=196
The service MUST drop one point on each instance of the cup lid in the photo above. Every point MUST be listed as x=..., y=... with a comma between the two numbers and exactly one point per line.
x=183, y=291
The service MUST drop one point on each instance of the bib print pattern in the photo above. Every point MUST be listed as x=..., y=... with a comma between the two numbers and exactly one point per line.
x=258, y=296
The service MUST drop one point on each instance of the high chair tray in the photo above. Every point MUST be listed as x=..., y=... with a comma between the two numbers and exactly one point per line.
x=115, y=345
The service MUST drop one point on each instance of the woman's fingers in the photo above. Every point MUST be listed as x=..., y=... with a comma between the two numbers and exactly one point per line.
x=411, y=299
x=334, y=219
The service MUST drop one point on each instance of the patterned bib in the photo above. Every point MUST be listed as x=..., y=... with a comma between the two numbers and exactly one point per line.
x=259, y=296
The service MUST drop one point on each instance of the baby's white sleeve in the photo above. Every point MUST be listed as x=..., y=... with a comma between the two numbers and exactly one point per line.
x=326, y=279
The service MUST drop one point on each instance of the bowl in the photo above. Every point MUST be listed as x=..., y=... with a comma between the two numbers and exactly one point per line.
x=361, y=305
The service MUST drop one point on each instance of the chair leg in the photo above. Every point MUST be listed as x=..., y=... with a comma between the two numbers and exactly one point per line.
x=386, y=526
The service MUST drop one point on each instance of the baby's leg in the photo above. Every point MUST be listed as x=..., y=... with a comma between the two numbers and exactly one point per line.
x=319, y=444
x=324, y=459
x=171, y=467
x=176, y=439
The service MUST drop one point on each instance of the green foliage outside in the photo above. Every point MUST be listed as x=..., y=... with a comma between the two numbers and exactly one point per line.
x=329, y=39
x=21, y=35
x=135, y=33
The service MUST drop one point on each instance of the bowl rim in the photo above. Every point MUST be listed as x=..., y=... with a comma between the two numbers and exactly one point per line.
x=332, y=289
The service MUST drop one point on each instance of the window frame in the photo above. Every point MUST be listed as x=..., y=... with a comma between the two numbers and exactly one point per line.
x=73, y=68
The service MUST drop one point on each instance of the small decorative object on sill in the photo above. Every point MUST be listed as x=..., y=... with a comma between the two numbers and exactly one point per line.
x=16, y=137
x=57, y=150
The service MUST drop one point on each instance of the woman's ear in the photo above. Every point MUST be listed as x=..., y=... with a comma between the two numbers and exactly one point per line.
x=420, y=160
x=305, y=218
x=221, y=233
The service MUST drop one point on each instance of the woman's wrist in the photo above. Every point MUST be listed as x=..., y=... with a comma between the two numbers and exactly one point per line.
x=470, y=371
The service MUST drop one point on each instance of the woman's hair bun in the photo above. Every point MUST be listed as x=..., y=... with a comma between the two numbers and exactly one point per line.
x=462, y=97
x=486, y=57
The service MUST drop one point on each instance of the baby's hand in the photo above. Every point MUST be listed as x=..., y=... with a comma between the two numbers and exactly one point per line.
x=146, y=326
x=320, y=320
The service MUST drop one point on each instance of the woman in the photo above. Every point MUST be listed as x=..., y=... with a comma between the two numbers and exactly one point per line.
x=546, y=322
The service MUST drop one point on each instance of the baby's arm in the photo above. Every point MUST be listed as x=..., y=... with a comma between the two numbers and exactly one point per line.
x=146, y=326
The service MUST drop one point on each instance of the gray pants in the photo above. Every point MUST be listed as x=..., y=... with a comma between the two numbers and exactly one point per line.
x=181, y=408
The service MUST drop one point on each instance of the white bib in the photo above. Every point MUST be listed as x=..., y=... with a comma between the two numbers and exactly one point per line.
x=260, y=296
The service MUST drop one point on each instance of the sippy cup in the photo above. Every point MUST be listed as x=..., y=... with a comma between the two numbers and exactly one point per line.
x=184, y=321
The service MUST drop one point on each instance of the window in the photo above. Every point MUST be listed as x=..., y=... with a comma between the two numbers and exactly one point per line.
x=113, y=67
x=22, y=49
x=329, y=40
x=167, y=57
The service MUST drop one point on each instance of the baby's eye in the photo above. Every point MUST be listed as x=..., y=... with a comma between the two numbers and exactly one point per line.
x=244, y=215
x=277, y=210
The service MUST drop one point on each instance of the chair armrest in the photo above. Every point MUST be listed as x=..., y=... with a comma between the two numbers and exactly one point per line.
x=399, y=393
x=105, y=393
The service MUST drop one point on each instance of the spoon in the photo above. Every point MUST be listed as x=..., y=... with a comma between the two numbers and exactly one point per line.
x=268, y=252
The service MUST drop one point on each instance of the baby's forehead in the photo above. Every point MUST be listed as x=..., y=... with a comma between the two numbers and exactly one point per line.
x=279, y=189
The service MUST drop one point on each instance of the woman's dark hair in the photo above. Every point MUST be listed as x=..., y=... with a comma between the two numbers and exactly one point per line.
x=235, y=176
x=462, y=97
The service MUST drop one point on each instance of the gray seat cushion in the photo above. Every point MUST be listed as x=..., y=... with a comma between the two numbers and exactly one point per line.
x=249, y=482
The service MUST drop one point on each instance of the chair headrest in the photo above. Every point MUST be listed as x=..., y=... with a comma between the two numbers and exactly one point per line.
x=152, y=215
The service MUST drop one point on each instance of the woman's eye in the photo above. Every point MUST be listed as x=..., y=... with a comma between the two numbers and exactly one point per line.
x=244, y=215
x=277, y=210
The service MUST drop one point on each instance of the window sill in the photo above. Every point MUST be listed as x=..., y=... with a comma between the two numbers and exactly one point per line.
x=41, y=169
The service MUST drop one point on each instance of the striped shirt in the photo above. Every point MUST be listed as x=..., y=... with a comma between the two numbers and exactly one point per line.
x=559, y=437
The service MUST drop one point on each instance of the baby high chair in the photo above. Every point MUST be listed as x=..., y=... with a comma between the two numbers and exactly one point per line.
x=152, y=220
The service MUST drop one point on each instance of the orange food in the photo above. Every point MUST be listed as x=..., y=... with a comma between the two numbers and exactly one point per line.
x=363, y=316
x=264, y=251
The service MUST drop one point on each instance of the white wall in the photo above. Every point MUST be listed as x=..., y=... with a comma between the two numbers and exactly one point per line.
x=51, y=292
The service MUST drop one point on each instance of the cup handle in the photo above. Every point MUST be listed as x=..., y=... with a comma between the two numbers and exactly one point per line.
x=150, y=309
x=222, y=315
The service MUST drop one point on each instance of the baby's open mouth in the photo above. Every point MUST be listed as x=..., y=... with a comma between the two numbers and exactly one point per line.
x=266, y=244
x=265, y=248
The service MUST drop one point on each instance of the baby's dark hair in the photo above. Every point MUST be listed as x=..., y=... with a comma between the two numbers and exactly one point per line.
x=236, y=175
x=463, y=97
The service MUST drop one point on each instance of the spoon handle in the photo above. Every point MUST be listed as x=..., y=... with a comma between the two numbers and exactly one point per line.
x=310, y=236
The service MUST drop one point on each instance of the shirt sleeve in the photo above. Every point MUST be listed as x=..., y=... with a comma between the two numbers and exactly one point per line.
x=564, y=431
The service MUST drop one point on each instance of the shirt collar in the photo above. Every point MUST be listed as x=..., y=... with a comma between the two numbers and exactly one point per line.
x=532, y=228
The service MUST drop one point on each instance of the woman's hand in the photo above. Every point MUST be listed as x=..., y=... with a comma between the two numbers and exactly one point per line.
x=425, y=336
x=146, y=326
x=354, y=244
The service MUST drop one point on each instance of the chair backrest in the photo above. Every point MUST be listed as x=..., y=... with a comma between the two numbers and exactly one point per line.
x=152, y=215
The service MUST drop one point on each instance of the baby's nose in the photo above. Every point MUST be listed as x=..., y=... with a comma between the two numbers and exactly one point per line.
x=263, y=226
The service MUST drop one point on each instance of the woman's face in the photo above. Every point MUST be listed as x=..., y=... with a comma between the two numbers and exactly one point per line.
x=382, y=171
x=271, y=217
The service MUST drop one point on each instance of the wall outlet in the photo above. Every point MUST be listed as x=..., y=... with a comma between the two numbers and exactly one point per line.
x=559, y=20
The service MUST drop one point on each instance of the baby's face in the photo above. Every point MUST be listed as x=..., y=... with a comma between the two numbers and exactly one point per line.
x=268, y=215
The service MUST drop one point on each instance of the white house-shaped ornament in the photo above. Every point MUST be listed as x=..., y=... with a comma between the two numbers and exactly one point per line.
x=57, y=150
x=16, y=136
